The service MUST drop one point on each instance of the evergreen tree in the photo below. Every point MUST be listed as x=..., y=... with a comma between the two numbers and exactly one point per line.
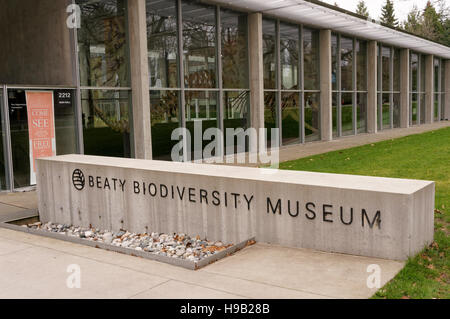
x=361, y=9
x=388, y=15
x=413, y=22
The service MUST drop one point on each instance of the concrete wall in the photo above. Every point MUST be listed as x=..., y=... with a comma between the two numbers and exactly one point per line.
x=35, y=43
x=369, y=216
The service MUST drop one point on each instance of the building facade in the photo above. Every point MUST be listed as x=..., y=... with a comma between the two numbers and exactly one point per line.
x=125, y=73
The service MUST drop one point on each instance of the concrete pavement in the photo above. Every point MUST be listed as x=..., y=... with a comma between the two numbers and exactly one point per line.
x=36, y=267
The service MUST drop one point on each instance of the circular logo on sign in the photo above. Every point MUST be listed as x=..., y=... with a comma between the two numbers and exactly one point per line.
x=78, y=179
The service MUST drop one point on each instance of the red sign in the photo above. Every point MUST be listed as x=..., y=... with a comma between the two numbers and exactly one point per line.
x=41, y=127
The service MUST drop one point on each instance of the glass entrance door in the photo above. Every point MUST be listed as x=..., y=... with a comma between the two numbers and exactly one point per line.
x=3, y=161
x=64, y=123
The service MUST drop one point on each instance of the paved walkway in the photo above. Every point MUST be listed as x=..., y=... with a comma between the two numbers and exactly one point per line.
x=36, y=267
x=293, y=152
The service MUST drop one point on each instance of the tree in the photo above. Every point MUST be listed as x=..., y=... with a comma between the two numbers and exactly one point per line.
x=388, y=14
x=413, y=22
x=433, y=22
x=361, y=9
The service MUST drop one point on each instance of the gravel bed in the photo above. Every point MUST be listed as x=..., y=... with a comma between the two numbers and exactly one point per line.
x=172, y=245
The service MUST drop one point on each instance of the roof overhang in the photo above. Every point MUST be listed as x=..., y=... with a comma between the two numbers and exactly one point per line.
x=324, y=17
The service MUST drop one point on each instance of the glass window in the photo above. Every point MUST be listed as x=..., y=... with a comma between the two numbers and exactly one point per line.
x=201, y=108
x=270, y=113
x=102, y=43
x=312, y=116
x=289, y=55
x=396, y=110
x=236, y=109
x=361, y=78
x=386, y=68
x=385, y=107
x=105, y=118
x=65, y=140
x=235, y=63
x=269, y=54
x=162, y=43
x=414, y=109
x=422, y=73
x=414, y=72
x=422, y=108
x=334, y=66
x=361, y=113
x=347, y=113
x=290, y=117
x=311, y=59
x=347, y=64
x=2, y=155
x=397, y=70
x=335, y=114
x=164, y=108
x=199, y=44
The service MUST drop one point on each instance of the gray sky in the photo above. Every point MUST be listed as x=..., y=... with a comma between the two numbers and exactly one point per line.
x=402, y=7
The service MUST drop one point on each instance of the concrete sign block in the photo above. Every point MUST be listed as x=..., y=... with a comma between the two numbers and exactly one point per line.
x=360, y=215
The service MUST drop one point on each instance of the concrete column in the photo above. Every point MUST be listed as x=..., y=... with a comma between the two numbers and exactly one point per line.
x=372, y=74
x=404, y=88
x=142, y=141
x=446, y=89
x=429, y=84
x=256, y=70
x=326, y=115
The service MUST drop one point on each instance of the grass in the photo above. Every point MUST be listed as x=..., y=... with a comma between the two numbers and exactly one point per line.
x=424, y=156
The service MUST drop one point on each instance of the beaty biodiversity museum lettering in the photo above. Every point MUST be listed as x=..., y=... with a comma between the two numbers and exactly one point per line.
x=298, y=208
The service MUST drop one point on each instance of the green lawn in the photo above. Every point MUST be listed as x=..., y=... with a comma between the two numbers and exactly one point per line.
x=424, y=156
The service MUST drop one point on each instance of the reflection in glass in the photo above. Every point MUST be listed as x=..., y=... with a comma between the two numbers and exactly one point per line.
x=102, y=43
x=422, y=108
x=105, y=118
x=162, y=43
x=311, y=59
x=386, y=68
x=312, y=117
x=347, y=64
x=64, y=115
x=270, y=113
x=436, y=107
x=347, y=113
x=236, y=109
x=201, y=107
x=397, y=70
x=164, y=109
x=386, y=115
x=422, y=73
x=414, y=72
x=269, y=56
x=334, y=66
x=414, y=109
x=335, y=114
x=234, y=50
x=2, y=157
x=396, y=110
x=236, y=113
x=361, y=78
x=199, y=45
x=290, y=117
x=289, y=54
x=361, y=113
